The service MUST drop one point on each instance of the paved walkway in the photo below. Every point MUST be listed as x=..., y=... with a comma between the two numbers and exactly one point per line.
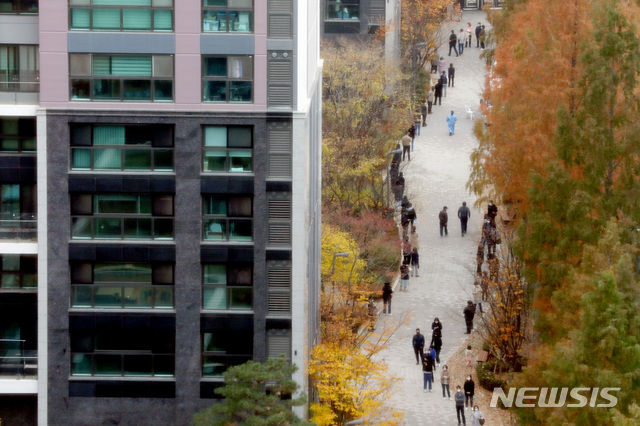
x=436, y=177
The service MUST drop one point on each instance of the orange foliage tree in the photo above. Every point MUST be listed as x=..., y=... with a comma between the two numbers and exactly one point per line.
x=534, y=73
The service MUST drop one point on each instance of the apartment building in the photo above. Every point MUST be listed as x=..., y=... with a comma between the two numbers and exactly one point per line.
x=168, y=154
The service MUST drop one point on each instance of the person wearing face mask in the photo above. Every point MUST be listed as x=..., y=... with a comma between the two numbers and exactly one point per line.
x=477, y=416
x=444, y=381
x=459, y=396
x=469, y=387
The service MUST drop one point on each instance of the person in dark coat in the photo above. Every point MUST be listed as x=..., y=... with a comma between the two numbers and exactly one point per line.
x=436, y=327
x=437, y=92
x=464, y=214
x=469, y=312
x=469, y=389
x=478, y=29
x=387, y=294
x=415, y=262
x=405, y=203
x=437, y=345
x=453, y=40
x=452, y=74
x=480, y=258
x=428, y=365
x=444, y=80
x=423, y=110
x=411, y=216
x=443, y=217
x=398, y=187
x=418, y=346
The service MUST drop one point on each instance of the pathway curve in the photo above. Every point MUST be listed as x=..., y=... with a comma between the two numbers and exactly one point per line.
x=436, y=177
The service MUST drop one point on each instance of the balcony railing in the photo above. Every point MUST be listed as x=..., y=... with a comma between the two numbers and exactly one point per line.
x=15, y=360
x=22, y=226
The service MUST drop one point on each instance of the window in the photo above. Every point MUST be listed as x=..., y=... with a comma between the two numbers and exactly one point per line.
x=19, y=271
x=343, y=9
x=121, y=216
x=113, y=147
x=228, y=149
x=121, y=15
x=17, y=135
x=224, y=348
x=227, y=286
x=18, y=211
x=122, y=285
x=123, y=351
x=121, y=78
x=228, y=79
x=228, y=218
x=19, y=67
x=227, y=16
x=19, y=6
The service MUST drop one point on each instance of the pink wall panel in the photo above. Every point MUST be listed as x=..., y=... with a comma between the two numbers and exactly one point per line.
x=54, y=84
x=53, y=16
x=187, y=80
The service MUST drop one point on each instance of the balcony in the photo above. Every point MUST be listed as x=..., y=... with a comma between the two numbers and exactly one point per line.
x=18, y=226
x=16, y=361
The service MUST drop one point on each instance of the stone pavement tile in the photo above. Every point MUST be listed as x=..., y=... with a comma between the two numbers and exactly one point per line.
x=436, y=177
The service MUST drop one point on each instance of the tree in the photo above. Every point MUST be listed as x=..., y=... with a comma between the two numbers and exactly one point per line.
x=255, y=394
x=534, y=73
x=365, y=110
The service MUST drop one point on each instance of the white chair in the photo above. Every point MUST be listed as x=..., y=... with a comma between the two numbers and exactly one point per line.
x=469, y=112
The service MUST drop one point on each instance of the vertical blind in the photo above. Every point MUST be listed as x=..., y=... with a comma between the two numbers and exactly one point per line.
x=122, y=65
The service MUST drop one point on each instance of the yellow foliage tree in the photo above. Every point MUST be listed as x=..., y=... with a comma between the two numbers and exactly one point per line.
x=351, y=386
x=347, y=270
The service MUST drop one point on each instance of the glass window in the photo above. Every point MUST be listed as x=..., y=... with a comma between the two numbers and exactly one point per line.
x=17, y=135
x=343, y=9
x=119, y=351
x=228, y=218
x=228, y=149
x=121, y=15
x=113, y=147
x=234, y=16
x=227, y=286
x=225, y=348
x=122, y=216
x=18, y=219
x=19, y=68
x=121, y=77
x=19, y=7
x=19, y=271
x=228, y=79
x=121, y=285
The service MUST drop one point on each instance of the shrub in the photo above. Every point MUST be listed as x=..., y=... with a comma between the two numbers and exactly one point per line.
x=487, y=379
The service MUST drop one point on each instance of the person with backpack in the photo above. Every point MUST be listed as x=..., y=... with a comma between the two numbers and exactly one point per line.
x=464, y=214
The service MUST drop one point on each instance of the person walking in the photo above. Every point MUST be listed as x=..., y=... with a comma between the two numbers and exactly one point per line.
x=461, y=38
x=387, y=295
x=406, y=146
x=430, y=97
x=444, y=218
x=467, y=42
x=451, y=122
x=477, y=416
x=464, y=214
x=452, y=74
x=404, y=277
x=469, y=312
x=477, y=31
x=437, y=93
x=423, y=111
x=469, y=388
x=459, y=397
x=415, y=262
x=418, y=346
x=445, y=380
x=427, y=371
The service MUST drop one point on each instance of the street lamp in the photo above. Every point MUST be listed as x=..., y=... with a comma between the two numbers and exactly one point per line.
x=333, y=261
x=354, y=422
x=389, y=154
